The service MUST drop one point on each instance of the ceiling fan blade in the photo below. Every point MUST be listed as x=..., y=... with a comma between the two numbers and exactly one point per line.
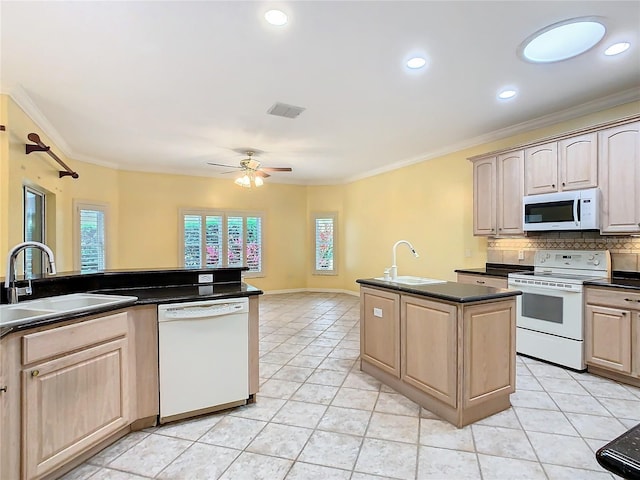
x=262, y=174
x=277, y=169
x=222, y=165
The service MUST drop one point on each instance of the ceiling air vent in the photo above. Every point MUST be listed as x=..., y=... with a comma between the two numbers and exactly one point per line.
x=284, y=110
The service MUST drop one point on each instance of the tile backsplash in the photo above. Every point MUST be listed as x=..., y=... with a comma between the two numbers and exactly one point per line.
x=625, y=250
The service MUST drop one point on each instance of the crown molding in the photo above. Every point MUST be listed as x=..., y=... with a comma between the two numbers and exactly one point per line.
x=610, y=101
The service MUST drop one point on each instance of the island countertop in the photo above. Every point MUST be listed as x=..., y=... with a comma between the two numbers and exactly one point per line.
x=449, y=291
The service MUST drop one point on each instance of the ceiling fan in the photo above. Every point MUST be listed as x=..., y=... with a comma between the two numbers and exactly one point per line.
x=253, y=172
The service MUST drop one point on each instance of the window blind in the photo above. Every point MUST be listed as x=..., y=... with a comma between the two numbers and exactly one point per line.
x=324, y=244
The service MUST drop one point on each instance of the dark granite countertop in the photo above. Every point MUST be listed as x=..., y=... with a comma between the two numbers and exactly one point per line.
x=496, y=269
x=619, y=279
x=622, y=455
x=184, y=293
x=449, y=291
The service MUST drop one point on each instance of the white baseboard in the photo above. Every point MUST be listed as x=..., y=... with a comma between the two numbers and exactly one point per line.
x=313, y=290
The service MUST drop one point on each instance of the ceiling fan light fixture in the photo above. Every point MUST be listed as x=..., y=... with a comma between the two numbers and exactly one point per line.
x=258, y=181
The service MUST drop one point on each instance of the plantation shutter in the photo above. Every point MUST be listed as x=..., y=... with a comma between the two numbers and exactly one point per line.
x=92, y=240
x=324, y=244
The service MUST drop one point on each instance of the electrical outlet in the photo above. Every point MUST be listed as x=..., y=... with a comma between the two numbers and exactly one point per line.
x=467, y=253
x=520, y=255
x=205, y=278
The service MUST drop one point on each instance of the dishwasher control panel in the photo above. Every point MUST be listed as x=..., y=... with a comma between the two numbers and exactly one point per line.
x=208, y=309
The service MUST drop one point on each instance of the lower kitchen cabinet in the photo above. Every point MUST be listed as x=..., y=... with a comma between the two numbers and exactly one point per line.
x=72, y=401
x=380, y=329
x=429, y=341
x=612, y=340
x=454, y=359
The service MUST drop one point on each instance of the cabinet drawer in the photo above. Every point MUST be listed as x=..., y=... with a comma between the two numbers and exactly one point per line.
x=485, y=280
x=619, y=298
x=58, y=341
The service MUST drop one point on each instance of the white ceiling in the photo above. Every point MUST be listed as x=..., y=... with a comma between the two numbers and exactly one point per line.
x=170, y=86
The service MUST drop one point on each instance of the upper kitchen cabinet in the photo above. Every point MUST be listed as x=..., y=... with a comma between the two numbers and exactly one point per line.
x=619, y=171
x=484, y=196
x=498, y=184
x=569, y=164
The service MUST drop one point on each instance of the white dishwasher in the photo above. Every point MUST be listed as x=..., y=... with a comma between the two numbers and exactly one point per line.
x=204, y=356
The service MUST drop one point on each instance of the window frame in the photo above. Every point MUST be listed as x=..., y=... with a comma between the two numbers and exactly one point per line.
x=315, y=216
x=27, y=188
x=225, y=214
x=77, y=241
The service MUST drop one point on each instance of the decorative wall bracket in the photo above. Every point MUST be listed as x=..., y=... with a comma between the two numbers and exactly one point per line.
x=41, y=147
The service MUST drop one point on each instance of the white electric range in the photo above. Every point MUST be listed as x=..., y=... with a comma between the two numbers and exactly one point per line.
x=549, y=318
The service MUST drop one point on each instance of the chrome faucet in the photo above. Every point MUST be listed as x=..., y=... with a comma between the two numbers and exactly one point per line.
x=394, y=267
x=14, y=292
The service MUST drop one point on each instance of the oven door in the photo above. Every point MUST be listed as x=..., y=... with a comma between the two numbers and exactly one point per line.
x=549, y=310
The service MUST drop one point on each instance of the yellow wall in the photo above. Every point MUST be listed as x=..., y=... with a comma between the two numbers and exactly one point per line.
x=428, y=203
x=148, y=231
x=38, y=169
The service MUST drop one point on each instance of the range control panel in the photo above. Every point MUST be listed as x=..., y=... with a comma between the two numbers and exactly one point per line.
x=589, y=260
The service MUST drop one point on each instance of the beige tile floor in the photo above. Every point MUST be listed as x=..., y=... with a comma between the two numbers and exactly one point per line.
x=318, y=417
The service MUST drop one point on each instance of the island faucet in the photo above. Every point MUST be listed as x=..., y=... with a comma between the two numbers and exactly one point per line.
x=394, y=267
x=14, y=292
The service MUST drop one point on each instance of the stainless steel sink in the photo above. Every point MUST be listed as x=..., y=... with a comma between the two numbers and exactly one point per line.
x=411, y=280
x=25, y=312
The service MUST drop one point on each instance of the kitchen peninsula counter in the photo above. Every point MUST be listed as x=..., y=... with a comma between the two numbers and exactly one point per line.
x=450, y=347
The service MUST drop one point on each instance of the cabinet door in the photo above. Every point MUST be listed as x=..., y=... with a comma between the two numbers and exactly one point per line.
x=608, y=338
x=489, y=339
x=510, y=192
x=380, y=329
x=578, y=162
x=541, y=169
x=429, y=348
x=619, y=172
x=73, y=402
x=484, y=196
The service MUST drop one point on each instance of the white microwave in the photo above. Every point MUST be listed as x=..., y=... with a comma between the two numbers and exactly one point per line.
x=574, y=210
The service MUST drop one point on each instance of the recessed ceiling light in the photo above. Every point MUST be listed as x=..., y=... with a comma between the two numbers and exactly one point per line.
x=617, y=48
x=562, y=40
x=416, y=62
x=276, y=17
x=507, y=93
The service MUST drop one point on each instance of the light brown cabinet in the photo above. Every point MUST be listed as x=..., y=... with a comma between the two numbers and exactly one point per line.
x=497, y=192
x=76, y=390
x=430, y=347
x=455, y=359
x=380, y=329
x=485, y=280
x=612, y=340
x=569, y=164
x=619, y=151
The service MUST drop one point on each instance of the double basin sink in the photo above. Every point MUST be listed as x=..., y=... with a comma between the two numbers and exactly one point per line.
x=411, y=280
x=41, y=309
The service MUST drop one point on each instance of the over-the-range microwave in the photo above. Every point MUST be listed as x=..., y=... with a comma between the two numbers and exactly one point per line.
x=573, y=210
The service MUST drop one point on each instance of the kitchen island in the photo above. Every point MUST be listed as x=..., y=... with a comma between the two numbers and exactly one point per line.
x=450, y=347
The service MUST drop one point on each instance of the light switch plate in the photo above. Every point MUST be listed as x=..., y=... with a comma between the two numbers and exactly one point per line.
x=520, y=255
x=205, y=278
x=377, y=312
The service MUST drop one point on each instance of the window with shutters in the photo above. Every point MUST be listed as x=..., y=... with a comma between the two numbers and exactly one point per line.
x=214, y=238
x=90, y=232
x=324, y=235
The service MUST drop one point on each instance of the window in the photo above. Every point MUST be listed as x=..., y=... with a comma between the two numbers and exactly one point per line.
x=324, y=235
x=34, y=229
x=214, y=238
x=90, y=236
